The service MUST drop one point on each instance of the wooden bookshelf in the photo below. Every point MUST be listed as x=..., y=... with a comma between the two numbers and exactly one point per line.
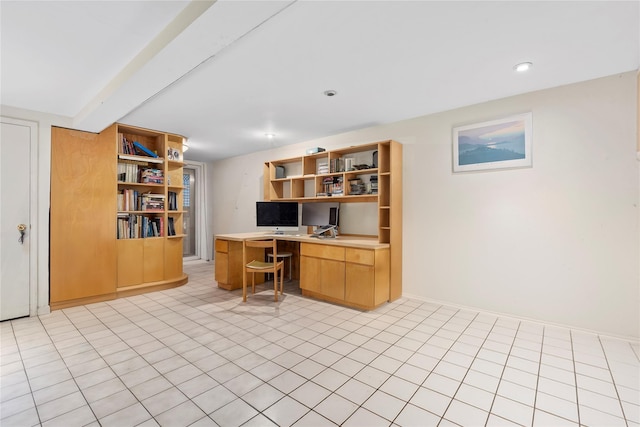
x=97, y=257
x=305, y=180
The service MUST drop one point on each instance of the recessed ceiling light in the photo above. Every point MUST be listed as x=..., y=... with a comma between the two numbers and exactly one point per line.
x=330, y=93
x=270, y=135
x=523, y=66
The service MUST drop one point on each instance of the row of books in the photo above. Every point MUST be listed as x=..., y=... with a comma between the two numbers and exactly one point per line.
x=132, y=226
x=128, y=146
x=323, y=168
x=333, y=185
x=132, y=200
x=151, y=176
x=173, y=201
x=171, y=228
x=336, y=165
x=132, y=172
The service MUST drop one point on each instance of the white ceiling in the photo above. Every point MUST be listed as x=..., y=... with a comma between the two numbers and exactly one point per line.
x=225, y=73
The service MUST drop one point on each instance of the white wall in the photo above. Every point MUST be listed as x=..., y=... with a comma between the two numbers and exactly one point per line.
x=557, y=242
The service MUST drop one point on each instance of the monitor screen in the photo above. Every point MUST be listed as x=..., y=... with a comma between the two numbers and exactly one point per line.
x=320, y=213
x=277, y=215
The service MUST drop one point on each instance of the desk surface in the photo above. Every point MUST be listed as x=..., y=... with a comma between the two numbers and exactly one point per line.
x=343, y=240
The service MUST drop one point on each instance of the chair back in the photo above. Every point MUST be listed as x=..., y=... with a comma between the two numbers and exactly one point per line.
x=264, y=244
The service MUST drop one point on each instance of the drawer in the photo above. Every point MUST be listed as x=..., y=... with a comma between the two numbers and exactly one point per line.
x=222, y=245
x=360, y=256
x=322, y=251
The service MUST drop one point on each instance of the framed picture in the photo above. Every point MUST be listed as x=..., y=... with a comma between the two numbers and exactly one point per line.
x=496, y=144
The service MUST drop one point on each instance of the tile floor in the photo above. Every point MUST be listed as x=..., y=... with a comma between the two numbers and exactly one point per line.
x=196, y=355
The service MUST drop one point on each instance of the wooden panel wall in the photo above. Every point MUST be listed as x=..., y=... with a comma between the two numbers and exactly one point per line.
x=83, y=202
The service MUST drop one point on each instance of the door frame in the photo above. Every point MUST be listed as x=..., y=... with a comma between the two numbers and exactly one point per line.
x=200, y=213
x=32, y=233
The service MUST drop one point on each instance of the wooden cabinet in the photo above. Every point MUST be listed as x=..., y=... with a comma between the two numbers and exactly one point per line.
x=362, y=173
x=228, y=263
x=116, y=219
x=366, y=277
x=149, y=207
x=322, y=270
x=350, y=276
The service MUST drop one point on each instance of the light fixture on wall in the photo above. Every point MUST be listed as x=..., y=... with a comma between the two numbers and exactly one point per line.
x=270, y=136
x=523, y=66
x=185, y=147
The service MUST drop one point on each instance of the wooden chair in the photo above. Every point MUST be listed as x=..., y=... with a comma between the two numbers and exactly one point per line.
x=256, y=266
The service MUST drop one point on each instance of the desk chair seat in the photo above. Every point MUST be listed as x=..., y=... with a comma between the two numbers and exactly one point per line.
x=255, y=266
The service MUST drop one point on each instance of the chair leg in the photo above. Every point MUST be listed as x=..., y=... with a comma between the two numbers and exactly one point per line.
x=275, y=286
x=244, y=286
x=282, y=280
x=253, y=283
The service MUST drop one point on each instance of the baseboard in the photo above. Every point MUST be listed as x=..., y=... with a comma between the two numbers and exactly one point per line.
x=522, y=318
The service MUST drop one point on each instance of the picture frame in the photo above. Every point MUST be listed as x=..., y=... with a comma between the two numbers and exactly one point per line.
x=495, y=144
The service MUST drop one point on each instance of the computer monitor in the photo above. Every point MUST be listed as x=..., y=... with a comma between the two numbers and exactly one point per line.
x=318, y=214
x=277, y=216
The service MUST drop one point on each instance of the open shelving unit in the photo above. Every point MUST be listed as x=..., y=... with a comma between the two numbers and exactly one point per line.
x=302, y=179
x=150, y=255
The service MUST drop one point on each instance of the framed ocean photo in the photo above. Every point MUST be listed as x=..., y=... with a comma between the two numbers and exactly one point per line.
x=496, y=144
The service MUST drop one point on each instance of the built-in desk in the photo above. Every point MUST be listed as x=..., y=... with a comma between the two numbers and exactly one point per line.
x=348, y=270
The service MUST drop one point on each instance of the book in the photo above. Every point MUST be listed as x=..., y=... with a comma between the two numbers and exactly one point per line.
x=144, y=149
x=172, y=230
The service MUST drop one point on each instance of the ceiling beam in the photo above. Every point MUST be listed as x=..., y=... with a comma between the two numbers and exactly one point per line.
x=117, y=98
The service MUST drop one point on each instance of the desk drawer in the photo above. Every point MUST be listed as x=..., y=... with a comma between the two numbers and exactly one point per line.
x=222, y=245
x=360, y=256
x=322, y=251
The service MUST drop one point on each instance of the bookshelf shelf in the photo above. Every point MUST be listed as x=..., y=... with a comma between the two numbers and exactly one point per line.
x=142, y=159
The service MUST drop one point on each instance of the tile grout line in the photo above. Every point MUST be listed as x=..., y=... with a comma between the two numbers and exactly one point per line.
x=613, y=381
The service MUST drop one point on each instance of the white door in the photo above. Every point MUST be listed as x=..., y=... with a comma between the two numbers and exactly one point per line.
x=15, y=160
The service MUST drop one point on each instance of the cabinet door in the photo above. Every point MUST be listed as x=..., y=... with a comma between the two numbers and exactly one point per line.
x=309, y=273
x=130, y=254
x=153, y=260
x=222, y=267
x=332, y=278
x=172, y=258
x=360, y=280
x=322, y=276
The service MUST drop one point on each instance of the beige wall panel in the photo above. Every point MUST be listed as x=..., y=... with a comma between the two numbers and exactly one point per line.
x=83, y=204
x=383, y=276
x=395, y=218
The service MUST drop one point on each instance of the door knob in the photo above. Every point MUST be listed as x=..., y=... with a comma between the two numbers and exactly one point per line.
x=21, y=230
